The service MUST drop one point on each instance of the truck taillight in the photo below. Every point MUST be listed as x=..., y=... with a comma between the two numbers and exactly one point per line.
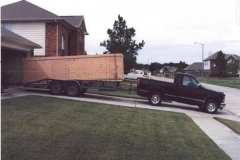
x=138, y=81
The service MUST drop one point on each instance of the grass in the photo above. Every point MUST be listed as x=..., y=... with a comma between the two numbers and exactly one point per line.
x=232, y=82
x=234, y=125
x=36, y=127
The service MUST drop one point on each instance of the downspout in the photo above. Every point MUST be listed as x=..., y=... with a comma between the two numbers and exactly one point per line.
x=57, y=39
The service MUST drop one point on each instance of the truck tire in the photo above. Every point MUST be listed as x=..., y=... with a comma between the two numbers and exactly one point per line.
x=211, y=106
x=155, y=98
x=56, y=87
x=72, y=89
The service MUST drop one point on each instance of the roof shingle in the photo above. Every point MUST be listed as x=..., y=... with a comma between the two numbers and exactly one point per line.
x=24, y=10
x=193, y=67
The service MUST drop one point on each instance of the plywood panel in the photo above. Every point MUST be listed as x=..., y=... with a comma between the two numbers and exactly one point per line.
x=84, y=67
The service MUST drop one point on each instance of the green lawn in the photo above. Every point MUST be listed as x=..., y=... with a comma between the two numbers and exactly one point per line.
x=234, y=125
x=36, y=127
x=232, y=82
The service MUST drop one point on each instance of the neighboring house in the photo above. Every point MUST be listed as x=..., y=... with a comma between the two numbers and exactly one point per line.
x=210, y=66
x=168, y=70
x=194, y=69
x=13, y=49
x=57, y=35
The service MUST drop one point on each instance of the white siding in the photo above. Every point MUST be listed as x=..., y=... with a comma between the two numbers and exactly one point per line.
x=206, y=64
x=34, y=31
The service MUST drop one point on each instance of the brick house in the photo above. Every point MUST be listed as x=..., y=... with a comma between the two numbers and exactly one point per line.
x=209, y=62
x=57, y=35
x=28, y=30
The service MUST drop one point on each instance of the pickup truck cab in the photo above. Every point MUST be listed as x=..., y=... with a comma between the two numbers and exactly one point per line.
x=185, y=89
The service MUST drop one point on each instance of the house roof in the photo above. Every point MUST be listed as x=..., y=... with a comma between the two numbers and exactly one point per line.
x=169, y=68
x=193, y=67
x=214, y=56
x=9, y=35
x=73, y=20
x=26, y=11
x=237, y=57
x=76, y=21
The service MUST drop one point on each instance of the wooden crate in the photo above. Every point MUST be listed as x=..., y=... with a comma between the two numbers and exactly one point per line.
x=105, y=67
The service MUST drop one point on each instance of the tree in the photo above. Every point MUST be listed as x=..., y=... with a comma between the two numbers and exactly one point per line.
x=155, y=67
x=233, y=67
x=181, y=66
x=220, y=63
x=121, y=41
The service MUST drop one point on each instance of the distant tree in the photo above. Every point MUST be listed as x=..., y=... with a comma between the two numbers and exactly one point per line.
x=165, y=69
x=139, y=66
x=121, y=41
x=155, y=67
x=220, y=63
x=180, y=66
x=233, y=67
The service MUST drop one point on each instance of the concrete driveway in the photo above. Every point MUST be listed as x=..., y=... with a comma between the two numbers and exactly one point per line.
x=225, y=138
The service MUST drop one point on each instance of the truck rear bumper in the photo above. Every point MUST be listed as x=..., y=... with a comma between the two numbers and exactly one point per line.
x=222, y=105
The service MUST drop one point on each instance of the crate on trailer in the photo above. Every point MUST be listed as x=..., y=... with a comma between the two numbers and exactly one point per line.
x=105, y=67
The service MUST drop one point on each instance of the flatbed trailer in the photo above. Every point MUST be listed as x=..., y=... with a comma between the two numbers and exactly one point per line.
x=79, y=87
x=75, y=74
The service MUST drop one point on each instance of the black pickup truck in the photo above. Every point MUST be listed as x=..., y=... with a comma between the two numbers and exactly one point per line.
x=184, y=89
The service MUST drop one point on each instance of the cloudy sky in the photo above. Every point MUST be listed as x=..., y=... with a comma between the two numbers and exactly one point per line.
x=168, y=27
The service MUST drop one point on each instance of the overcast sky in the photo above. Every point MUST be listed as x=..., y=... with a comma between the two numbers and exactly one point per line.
x=168, y=27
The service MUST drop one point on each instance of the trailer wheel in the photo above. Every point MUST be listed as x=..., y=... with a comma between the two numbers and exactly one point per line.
x=155, y=98
x=56, y=87
x=211, y=106
x=72, y=89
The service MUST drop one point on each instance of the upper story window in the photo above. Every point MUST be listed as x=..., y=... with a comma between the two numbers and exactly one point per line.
x=230, y=61
x=63, y=42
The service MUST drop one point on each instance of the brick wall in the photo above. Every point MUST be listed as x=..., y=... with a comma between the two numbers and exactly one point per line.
x=72, y=40
x=51, y=29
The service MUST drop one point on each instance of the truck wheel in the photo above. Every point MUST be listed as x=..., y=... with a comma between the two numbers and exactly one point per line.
x=56, y=87
x=72, y=89
x=211, y=106
x=155, y=98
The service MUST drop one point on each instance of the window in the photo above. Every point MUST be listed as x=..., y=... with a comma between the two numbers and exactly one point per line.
x=190, y=81
x=63, y=44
